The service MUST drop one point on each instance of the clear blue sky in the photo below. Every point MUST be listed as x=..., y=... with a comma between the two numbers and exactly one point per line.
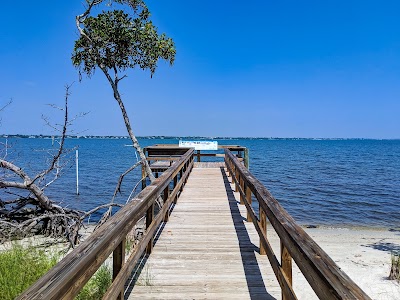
x=255, y=68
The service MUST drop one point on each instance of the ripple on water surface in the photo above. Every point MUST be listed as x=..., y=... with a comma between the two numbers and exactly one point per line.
x=328, y=182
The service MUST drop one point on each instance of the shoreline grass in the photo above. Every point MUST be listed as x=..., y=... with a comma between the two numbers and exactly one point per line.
x=395, y=267
x=22, y=266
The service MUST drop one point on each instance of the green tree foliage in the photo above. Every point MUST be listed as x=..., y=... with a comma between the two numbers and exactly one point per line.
x=116, y=40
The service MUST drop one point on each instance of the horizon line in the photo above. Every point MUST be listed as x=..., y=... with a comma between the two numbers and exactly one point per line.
x=187, y=136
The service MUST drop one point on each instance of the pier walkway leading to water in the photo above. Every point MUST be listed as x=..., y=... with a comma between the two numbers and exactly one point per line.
x=205, y=242
x=205, y=251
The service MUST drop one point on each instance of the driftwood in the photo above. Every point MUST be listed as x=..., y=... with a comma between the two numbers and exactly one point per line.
x=30, y=211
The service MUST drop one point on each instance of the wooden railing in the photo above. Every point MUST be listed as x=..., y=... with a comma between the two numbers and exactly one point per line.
x=69, y=276
x=325, y=277
x=170, y=152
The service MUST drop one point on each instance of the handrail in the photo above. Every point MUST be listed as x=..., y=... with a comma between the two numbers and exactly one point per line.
x=168, y=152
x=67, y=278
x=323, y=274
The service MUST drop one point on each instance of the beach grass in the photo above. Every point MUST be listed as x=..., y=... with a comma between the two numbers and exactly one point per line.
x=21, y=266
x=97, y=286
x=395, y=267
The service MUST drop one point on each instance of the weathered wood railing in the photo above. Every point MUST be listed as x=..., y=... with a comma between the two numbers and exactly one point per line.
x=322, y=273
x=170, y=153
x=69, y=276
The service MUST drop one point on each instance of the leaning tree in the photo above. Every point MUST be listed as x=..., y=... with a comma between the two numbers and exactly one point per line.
x=115, y=40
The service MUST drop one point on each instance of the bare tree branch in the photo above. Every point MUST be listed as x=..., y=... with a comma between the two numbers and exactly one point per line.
x=134, y=188
x=121, y=178
x=63, y=135
x=92, y=211
x=81, y=18
x=5, y=105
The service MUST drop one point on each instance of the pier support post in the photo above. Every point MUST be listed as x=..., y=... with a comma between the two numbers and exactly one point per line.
x=237, y=181
x=180, y=178
x=143, y=177
x=175, y=184
x=248, y=199
x=241, y=182
x=286, y=264
x=165, y=198
x=118, y=261
x=149, y=220
x=246, y=158
x=263, y=225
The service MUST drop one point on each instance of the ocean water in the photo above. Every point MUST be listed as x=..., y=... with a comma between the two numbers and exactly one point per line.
x=319, y=182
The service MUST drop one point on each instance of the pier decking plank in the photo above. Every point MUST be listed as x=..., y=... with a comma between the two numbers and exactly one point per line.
x=207, y=250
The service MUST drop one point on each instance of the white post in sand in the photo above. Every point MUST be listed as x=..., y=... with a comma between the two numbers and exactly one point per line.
x=77, y=173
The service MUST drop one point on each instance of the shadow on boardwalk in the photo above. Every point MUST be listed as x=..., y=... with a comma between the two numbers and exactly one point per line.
x=255, y=282
x=196, y=265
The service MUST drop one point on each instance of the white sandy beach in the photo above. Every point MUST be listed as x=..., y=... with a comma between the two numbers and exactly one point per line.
x=364, y=254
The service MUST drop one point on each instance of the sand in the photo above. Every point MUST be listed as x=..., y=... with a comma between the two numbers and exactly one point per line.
x=363, y=254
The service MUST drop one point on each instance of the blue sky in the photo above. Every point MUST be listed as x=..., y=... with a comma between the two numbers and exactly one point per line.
x=256, y=68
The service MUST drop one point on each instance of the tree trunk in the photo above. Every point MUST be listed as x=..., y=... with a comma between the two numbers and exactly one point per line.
x=117, y=96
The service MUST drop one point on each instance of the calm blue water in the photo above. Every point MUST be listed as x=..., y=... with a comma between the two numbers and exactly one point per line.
x=321, y=182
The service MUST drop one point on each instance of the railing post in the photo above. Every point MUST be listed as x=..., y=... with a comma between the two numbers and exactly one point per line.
x=241, y=182
x=165, y=198
x=198, y=155
x=185, y=168
x=175, y=183
x=149, y=220
x=180, y=178
x=248, y=199
x=263, y=225
x=246, y=158
x=143, y=177
x=118, y=261
x=286, y=264
x=237, y=182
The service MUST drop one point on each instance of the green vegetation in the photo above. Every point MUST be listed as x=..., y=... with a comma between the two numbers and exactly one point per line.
x=97, y=285
x=395, y=269
x=20, y=267
x=144, y=276
x=118, y=39
x=129, y=244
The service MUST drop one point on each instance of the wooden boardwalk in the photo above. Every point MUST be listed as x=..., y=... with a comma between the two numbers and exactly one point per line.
x=207, y=250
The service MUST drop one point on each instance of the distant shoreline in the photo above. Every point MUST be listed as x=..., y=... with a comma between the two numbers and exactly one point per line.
x=42, y=136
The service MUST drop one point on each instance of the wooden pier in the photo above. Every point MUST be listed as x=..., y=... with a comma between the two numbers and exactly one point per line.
x=205, y=250
x=206, y=242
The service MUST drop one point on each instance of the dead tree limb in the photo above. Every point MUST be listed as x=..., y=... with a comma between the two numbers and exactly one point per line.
x=35, y=212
